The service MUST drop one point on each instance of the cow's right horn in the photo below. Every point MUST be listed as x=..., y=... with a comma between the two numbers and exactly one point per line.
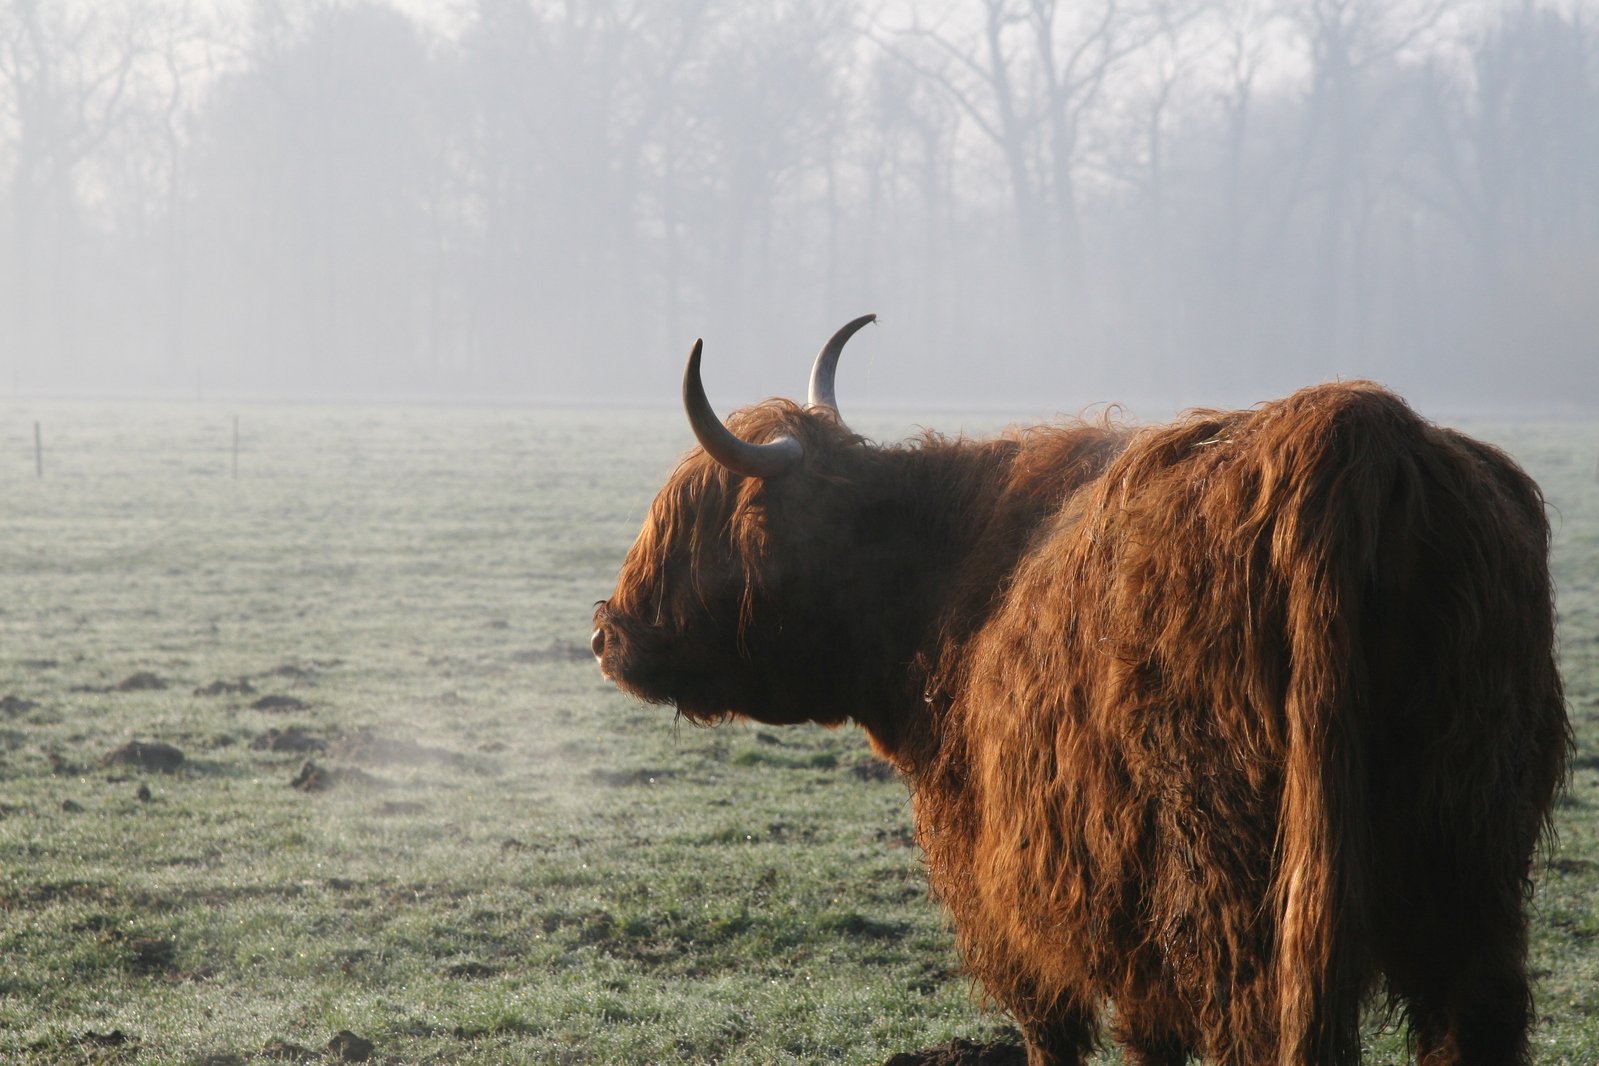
x=826, y=366
x=719, y=442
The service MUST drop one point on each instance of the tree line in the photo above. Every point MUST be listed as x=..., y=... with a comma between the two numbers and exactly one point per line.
x=1051, y=203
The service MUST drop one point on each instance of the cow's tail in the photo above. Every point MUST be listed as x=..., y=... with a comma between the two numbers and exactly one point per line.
x=1327, y=488
x=1422, y=679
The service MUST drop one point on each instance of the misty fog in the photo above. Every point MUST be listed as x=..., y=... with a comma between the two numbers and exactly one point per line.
x=1049, y=204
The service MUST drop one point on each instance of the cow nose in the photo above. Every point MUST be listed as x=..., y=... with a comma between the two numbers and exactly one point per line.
x=597, y=642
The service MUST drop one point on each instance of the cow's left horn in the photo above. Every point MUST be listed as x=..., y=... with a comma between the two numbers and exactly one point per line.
x=719, y=442
x=826, y=366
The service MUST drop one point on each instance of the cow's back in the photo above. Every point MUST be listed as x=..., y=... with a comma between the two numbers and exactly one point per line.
x=1231, y=678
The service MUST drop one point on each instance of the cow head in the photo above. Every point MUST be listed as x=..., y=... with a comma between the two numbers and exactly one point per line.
x=730, y=600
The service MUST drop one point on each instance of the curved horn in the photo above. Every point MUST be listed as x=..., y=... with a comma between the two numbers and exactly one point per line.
x=827, y=364
x=739, y=456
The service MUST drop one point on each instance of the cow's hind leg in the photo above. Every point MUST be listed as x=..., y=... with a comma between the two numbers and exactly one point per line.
x=1464, y=981
x=1064, y=1038
x=1484, y=1024
x=1155, y=1051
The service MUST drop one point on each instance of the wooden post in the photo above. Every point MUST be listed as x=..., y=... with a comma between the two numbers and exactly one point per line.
x=38, y=451
x=235, y=447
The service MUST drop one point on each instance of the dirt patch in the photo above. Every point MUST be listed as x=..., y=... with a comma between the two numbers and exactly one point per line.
x=11, y=706
x=290, y=739
x=60, y=765
x=314, y=778
x=897, y=837
x=873, y=769
x=221, y=687
x=151, y=954
x=857, y=926
x=143, y=681
x=275, y=704
x=306, y=673
x=347, y=1047
x=317, y=778
x=146, y=755
x=190, y=977
x=55, y=892
x=283, y=1051
x=963, y=1052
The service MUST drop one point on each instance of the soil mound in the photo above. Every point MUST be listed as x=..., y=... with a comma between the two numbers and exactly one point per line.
x=222, y=687
x=963, y=1052
x=143, y=681
x=290, y=739
x=146, y=755
x=279, y=704
x=347, y=1047
x=314, y=777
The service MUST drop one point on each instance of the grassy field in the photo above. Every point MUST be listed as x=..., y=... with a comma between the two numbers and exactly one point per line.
x=493, y=857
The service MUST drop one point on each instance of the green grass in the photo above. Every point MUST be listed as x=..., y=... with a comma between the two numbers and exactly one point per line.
x=518, y=865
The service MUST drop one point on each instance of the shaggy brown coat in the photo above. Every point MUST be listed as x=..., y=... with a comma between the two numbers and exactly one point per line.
x=1228, y=723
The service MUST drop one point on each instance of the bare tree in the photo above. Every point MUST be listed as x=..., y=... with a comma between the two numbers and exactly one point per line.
x=578, y=104
x=336, y=195
x=186, y=57
x=312, y=162
x=766, y=115
x=1511, y=152
x=1350, y=44
x=909, y=163
x=1028, y=77
x=67, y=82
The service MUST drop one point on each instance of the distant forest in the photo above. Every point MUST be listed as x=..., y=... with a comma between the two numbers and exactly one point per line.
x=1049, y=203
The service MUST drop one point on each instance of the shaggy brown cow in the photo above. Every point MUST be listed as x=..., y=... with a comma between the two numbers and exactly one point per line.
x=1229, y=723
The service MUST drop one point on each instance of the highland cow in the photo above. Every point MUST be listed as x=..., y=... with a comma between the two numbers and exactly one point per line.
x=1214, y=730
